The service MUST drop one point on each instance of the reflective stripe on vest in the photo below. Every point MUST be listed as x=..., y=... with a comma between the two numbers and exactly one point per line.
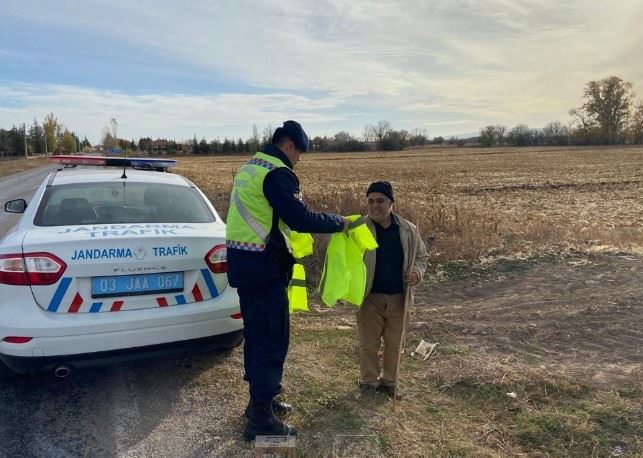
x=297, y=294
x=250, y=219
x=250, y=216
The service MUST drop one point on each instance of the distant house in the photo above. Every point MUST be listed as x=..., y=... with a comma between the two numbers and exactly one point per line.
x=162, y=145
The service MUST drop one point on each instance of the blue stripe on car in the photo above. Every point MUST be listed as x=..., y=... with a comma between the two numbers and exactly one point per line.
x=95, y=307
x=180, y=299
x=210, y=282
x=59, y=294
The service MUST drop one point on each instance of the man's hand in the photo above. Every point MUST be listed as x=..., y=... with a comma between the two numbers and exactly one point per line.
x=347, y=223
x=412, y=279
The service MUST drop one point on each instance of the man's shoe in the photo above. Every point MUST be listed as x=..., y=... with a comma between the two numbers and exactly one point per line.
x=389, y=390
x=262, y=422
x=278, y=408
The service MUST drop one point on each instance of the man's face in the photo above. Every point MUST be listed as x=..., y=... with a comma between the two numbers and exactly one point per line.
x=293, y=152
x=379, y=207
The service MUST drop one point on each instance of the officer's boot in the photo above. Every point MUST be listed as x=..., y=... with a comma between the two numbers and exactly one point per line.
x=278, y=408
x=262, y=422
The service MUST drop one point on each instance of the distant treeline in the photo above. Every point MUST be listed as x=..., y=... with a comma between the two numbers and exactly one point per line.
x=608, y=116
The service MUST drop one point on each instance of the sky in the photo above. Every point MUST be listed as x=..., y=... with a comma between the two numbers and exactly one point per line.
x=213, y=69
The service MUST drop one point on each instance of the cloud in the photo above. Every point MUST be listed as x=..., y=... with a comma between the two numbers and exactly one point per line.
x=175, y=115
x=340, y=64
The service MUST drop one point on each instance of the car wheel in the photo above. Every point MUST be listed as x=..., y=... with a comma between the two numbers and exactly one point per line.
x=234, y=341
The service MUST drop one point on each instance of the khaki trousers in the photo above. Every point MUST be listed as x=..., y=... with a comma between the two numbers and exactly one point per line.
x=380, y=319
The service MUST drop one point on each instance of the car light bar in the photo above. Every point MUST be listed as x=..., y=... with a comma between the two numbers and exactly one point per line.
x=140, y=162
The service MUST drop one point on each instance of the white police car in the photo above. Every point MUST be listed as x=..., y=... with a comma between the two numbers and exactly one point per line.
x=113, y=263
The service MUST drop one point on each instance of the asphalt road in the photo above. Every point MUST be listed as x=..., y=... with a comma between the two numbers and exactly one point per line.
x=172, y=407
x=22, y=185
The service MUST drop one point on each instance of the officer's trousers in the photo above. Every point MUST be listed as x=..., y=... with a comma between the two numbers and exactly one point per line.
x=267, y=334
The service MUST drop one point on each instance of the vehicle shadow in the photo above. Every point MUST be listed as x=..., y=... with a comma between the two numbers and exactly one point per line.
x=158, y=407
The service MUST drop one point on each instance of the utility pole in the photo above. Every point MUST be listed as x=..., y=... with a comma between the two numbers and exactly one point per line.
x=44, y=132
x=24, y=135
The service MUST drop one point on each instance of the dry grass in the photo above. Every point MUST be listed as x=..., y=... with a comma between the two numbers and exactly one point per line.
x=478, y=203
x=12, y=166
x=455, y=405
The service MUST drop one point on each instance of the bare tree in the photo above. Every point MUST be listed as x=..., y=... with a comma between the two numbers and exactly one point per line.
x=488, y=136
x=636, y=123
x=110, y=137
x=584, y=122
x=368, y=134
x=501, y=133
x=608, y=102
x=380, y=131
x=113, y=126
x=254, y=141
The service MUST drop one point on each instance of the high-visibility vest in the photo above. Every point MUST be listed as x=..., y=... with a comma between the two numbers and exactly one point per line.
x=250, y=220
x=344, y=275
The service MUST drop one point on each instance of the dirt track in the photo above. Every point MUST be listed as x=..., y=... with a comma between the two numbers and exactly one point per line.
x=583, y=313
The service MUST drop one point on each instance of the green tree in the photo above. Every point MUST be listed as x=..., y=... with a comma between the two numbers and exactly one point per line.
x=36, y=138
x=68, y=142
x=50, y=126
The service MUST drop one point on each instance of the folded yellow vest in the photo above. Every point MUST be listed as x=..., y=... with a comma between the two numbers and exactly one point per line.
x=344, y=274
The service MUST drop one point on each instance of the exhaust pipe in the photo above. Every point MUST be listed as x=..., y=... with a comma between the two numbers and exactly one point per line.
x=62, y=372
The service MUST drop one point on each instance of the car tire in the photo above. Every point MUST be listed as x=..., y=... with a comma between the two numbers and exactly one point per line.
x=234, y=341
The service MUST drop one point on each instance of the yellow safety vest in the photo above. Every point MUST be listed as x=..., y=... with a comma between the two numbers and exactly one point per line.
x=250, y=220
x=344, y=275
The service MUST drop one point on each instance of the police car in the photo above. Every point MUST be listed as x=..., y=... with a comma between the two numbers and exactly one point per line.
x=113, y=263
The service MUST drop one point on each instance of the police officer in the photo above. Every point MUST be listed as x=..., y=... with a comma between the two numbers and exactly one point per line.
x=265, y=205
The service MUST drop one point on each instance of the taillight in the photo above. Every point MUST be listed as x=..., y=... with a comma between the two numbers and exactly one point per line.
x=17, y=339
x=31, y=269
x=12, y=270
x=217, y=259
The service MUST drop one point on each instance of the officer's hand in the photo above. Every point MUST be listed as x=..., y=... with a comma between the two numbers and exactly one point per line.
x=347, y=223
x=412, y=279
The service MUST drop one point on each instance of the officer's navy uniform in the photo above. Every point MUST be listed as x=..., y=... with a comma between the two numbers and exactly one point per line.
x=262, y=278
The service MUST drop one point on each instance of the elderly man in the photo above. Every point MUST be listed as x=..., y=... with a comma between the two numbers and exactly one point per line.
x=397, y=264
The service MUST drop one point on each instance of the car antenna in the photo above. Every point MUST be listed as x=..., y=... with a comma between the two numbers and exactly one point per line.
x=124, y=175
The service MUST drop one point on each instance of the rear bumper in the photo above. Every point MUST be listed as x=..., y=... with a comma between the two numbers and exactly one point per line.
x=30, y=365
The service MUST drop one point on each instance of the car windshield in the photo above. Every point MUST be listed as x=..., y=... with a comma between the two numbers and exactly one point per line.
x=122, y=202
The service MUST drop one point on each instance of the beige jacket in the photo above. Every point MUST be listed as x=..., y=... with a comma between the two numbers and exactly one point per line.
x=408, y=236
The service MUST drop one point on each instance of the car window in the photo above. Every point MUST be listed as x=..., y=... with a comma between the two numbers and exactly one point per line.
x=121, y=202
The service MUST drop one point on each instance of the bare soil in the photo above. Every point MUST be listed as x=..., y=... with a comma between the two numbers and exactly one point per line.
x=582, y=314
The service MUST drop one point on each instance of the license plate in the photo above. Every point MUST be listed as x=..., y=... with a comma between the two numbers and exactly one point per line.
x=136, y=285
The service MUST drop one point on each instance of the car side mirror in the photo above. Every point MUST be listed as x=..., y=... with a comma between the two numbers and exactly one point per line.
x=16, y=206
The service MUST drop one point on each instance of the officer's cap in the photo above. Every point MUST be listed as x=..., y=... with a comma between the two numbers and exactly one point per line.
x=294, y=131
